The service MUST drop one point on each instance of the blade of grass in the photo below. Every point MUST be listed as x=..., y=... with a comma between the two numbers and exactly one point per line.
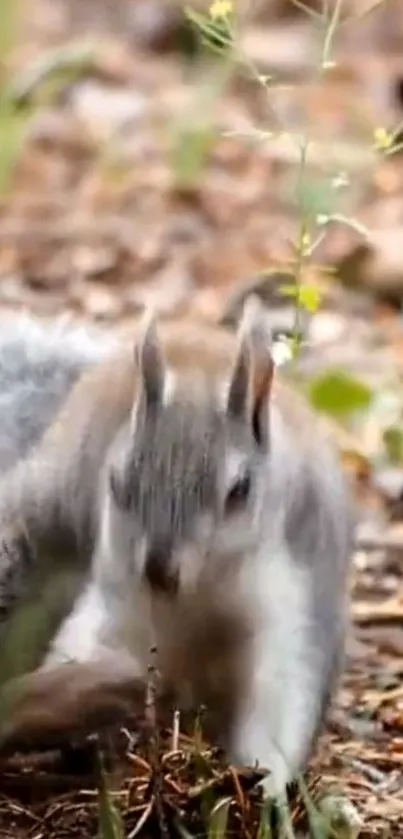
x=13, y=126
x=182, y=829
x=110, y=824
x=63, y=65
x=285, y=819
x=10, y=12
x=218, y=820
x=318, y=827
x=264, y=830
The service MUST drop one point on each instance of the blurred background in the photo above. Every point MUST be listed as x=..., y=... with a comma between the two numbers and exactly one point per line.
x=152, y=150
x=138, y=163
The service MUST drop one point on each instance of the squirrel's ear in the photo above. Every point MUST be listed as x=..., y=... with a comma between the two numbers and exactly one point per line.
x=262, y=384
x=150, y=363
x=251, y=382
x=240, y=387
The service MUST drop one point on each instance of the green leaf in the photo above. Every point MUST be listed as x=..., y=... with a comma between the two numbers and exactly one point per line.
x=196, y=18
x=338, y=394
x=290, y=290
x=215, y=34
x=306, y=295
x=393, y=441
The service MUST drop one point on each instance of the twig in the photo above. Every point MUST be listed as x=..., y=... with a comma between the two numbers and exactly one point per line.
x=385, y=696
x=391, y=610
x=175, y=731
x=154, y=756
x=379, y=542
x=142, y=820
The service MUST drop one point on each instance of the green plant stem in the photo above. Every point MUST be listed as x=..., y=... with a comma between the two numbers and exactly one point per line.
x=332, y=19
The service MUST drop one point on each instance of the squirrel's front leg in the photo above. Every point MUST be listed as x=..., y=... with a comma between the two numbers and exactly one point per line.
x=95, y=627
x=279, y=710
x=50, y=703
x=88, y=630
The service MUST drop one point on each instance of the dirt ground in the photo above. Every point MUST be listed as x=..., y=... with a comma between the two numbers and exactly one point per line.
x=136, y=173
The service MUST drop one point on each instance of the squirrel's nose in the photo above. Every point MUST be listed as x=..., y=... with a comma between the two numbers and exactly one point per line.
x=158, y=569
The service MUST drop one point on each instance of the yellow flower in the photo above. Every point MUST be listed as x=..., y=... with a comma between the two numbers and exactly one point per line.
x=309, y=297
x=383, y=140
x=220, y=9
x=305, y=242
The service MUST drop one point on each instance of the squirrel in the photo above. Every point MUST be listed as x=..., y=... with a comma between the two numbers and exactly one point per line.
x=209, y=517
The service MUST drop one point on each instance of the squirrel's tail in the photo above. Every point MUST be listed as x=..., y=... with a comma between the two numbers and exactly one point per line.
x=39, y=364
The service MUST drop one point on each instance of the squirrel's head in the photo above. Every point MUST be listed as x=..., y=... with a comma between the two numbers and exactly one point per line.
x=183, y=481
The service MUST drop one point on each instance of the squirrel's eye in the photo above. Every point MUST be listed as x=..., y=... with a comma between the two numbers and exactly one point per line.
x=238, y=494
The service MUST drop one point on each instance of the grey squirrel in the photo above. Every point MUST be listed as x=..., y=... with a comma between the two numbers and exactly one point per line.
x=208, y=516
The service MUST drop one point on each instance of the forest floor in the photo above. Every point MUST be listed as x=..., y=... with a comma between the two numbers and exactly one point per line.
x=133, y=174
